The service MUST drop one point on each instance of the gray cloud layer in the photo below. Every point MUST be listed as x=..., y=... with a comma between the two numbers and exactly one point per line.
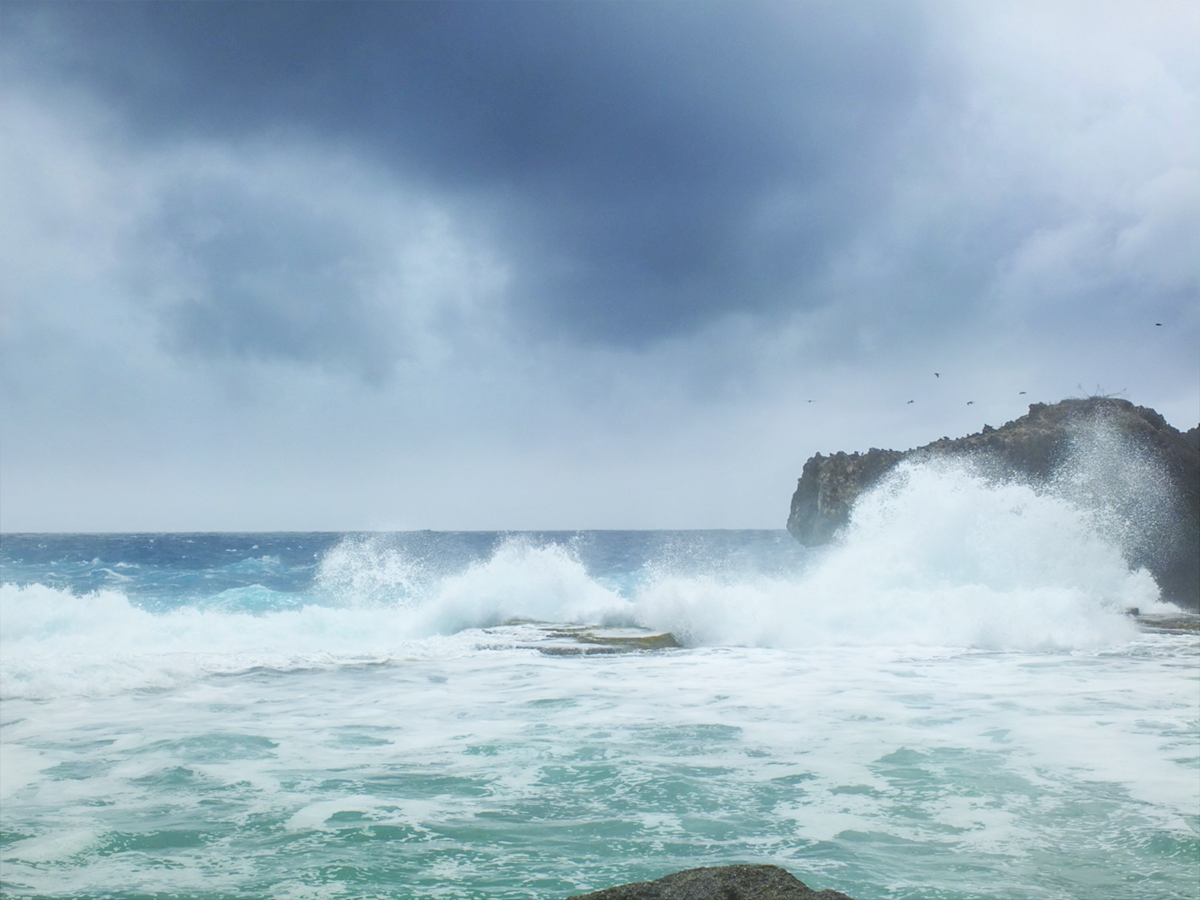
x=644, y=168
x=609, y=237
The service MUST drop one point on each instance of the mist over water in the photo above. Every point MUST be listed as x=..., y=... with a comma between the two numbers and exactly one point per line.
x=1126, y=492
x=949, y=702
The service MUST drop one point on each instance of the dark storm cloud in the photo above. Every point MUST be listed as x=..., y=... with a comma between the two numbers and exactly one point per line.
x=267, y=279
x=643, y=168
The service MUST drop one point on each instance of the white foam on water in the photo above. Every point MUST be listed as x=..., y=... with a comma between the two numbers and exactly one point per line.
x=364, y=808
x=978, y=755
x=973, y=756
x=55, y=643
x=19, y=768
x=58, y=845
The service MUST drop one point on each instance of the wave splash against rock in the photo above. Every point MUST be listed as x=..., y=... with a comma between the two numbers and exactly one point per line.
x=1138, y=474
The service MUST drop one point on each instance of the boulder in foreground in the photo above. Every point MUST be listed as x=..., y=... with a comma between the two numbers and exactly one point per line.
x=718, y=883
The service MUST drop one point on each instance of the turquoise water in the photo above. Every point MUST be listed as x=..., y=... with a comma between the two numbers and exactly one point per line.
x=960, y=714
x=509, y=773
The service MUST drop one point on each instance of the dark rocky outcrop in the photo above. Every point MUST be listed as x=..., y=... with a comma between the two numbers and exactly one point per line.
x=718, y=883
x=1047, y=448
x=828, y=487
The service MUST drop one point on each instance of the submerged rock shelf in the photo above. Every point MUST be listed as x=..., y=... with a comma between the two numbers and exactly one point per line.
x=1188, y=623
x=588, y=640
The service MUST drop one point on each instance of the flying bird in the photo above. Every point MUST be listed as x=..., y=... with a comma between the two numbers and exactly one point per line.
x=1020, y=392
x=1159, y=324
x=910, y=401
x=937, y=375
x=970, y=403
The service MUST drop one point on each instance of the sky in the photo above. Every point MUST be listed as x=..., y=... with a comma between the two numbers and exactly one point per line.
x=339, y=266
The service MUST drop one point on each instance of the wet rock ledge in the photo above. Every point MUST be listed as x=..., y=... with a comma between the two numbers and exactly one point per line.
x=1037, y=449
x=718, y=883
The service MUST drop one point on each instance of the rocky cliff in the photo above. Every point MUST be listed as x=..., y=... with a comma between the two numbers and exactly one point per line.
x=1099, y=451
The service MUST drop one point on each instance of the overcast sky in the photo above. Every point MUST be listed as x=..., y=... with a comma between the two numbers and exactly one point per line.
x=570, y=265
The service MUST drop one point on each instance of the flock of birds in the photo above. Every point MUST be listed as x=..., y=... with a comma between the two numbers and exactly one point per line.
x=972, y=402
x=939, y=375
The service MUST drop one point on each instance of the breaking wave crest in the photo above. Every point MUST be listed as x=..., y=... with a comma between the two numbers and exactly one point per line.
x=935, y=556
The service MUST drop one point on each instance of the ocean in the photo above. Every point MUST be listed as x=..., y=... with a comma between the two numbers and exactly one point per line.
x=951, y=702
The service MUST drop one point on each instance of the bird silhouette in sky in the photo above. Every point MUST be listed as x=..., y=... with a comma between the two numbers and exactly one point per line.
x=970, y=403
x=937, y=375
x=910, y=401
x=1020, y=392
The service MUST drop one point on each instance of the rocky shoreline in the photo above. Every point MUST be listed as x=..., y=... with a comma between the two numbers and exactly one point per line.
x=1046, y=448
